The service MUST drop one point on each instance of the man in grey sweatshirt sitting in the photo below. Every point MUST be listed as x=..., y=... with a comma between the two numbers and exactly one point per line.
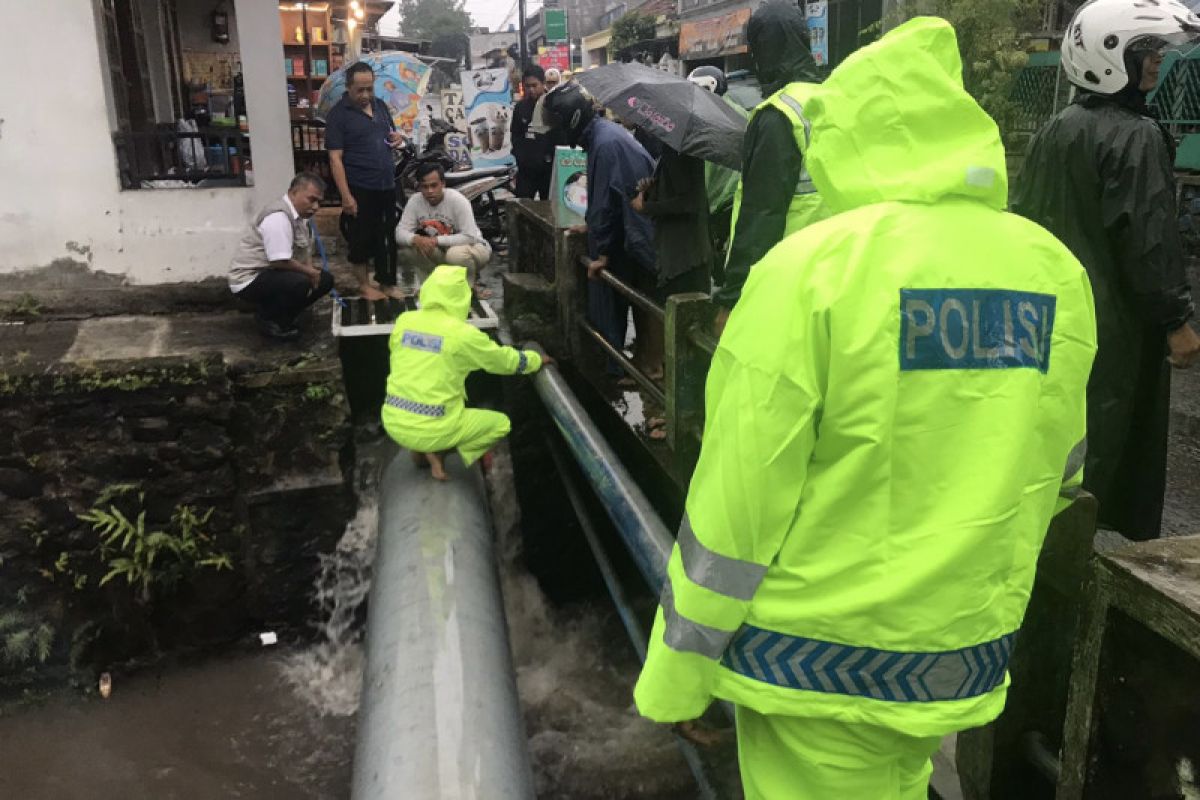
x=438, y=227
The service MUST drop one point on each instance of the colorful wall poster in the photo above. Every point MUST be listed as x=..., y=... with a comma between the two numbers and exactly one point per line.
x=487, y=103
x=431, y=109
x=568, y=187
x=817, y=13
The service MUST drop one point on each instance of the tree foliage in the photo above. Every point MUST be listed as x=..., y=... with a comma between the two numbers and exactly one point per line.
x=630, y=29
x=991, y=37
x=434, y=19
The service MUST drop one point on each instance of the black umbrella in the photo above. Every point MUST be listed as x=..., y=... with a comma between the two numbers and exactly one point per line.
x=684, y=116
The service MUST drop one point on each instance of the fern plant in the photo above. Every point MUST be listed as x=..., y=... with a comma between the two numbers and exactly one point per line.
x=150, y=560
x=23, y=639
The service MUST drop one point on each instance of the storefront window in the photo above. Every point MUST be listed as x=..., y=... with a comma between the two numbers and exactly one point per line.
x=176, y=92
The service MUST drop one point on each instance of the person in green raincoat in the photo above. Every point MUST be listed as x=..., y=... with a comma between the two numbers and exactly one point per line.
x=775, y=195
x=432, y=352
x=893, y=415
x=720, y=182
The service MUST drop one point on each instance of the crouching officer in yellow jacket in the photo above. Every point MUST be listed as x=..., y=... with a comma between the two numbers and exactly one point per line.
x=894, y=413
x=432, y=352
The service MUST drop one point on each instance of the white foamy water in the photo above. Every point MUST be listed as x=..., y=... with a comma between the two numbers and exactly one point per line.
x=586, y=739
x=575, y=671
x=329, y=674
x=575, y=675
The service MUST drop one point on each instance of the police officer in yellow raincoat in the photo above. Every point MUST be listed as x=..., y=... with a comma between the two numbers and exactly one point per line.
x=894, y=413
x=432, y=352
x=775, y=195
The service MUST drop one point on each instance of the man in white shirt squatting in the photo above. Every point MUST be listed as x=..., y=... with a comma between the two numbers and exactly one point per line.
x=438, y=227
x=273, y=266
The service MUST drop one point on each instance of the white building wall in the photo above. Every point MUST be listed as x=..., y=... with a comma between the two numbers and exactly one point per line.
x=61, y=197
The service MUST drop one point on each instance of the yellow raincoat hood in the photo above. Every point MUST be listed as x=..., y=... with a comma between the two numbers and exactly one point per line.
x=446, y=289
x=893, y=122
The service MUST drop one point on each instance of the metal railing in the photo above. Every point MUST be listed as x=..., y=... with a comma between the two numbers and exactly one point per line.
x=213, y=154
x=638, y=300
x=689, y=345
x=1176, y=100
x=1039, y=91
x=558, y=259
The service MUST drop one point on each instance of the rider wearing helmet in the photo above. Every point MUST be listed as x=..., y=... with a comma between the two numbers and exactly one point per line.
x=709, y=78
x=619, y=239
x=1100, y=177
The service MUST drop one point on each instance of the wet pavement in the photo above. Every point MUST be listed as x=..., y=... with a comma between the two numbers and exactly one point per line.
x=1181, y=514
x=219, y=729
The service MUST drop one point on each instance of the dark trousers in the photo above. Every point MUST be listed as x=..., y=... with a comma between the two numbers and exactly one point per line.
x=532, y=181
x=280, y=295
x=373, y=231
x=607, y=310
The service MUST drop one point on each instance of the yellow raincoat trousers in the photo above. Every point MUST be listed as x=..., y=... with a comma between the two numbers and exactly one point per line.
x=432, y=352
x=893, y=415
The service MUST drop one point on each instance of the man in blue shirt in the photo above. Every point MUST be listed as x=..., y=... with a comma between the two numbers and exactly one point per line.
x=360, y=137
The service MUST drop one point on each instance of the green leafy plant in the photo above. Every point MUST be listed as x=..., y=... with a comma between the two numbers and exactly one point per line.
x=24, y=639
x=25, y=306
x=630, y=29
x=991, y=40
x=316, y=392
x=151, y=560
x=432, y=19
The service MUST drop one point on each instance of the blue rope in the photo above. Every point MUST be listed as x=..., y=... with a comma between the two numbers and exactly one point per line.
x=337, y=298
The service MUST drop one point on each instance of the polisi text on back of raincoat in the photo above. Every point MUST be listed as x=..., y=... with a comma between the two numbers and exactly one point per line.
x=975, y=329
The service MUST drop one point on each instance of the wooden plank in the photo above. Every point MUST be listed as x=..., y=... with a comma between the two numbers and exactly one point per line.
x=991, y=760
x=686, y=371
x=1081, y=697
x=1156, y=584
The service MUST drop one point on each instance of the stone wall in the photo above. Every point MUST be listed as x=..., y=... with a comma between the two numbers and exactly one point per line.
x=259, y=453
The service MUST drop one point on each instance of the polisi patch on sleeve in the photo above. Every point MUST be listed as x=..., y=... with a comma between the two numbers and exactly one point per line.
x=422, y=341
x=975, y=329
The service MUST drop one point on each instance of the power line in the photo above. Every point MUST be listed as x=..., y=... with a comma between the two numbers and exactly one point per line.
x=508, y=17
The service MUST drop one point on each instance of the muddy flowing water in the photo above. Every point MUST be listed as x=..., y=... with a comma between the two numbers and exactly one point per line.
x=276, y=723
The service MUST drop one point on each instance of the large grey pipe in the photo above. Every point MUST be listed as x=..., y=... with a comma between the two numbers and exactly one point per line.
x=439, y=717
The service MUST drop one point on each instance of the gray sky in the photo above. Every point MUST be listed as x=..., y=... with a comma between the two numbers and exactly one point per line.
x=483, y=12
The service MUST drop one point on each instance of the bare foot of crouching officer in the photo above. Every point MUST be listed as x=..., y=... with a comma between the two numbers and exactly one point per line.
x=432, y=352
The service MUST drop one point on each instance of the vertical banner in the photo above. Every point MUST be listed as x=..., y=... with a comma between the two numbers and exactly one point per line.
x=555, y=24
x=487, y=103
x=459, y=150
x=452, y=108
x=568, y=187
x=431, y=109
x=818, y=30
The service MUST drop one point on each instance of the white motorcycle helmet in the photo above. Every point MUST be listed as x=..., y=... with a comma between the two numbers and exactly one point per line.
x=711, y=79
x=1102, y=31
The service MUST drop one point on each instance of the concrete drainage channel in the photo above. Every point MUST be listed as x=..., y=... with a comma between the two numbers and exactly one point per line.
x=279, y=721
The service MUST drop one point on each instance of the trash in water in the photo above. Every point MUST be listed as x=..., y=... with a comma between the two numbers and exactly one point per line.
x=268, y=638
x=105, y=685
